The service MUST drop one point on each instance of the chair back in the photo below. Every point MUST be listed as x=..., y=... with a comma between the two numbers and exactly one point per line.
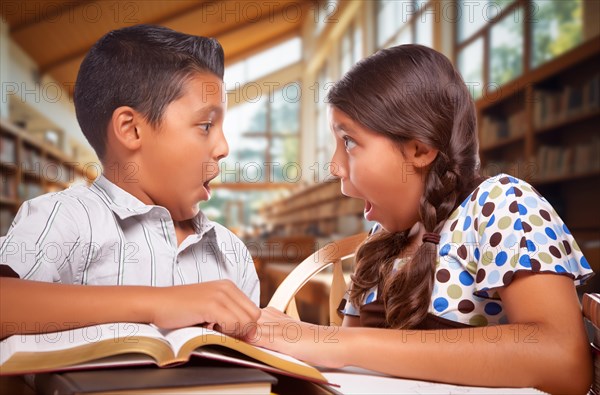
x=331, y=254
x=591, y=311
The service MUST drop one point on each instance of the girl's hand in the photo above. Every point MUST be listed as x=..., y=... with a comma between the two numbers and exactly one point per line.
x=220, y=304
x=315, y=344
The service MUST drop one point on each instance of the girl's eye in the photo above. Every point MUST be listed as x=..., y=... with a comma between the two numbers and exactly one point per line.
x=349, y=143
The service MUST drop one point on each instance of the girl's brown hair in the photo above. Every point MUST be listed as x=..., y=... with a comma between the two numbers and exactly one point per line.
x=412, y=92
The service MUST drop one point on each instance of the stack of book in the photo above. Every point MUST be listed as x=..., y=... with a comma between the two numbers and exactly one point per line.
x=140, y=348
x=591, y=311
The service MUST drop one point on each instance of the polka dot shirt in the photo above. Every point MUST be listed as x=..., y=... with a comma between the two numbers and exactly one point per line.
x=503, y=227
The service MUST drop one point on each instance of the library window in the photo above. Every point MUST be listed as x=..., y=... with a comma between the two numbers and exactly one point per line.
x=263, y=63
x=404, y=22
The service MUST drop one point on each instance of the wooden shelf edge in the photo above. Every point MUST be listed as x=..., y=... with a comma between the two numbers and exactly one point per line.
x=568, y=121
x=564, y=178
x=501, y=143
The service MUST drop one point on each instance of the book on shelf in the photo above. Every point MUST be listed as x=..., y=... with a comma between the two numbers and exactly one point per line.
x=182, y=380
x=132, y=344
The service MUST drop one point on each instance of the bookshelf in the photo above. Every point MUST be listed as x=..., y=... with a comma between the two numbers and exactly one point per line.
x=29, y=167
x=543, y=127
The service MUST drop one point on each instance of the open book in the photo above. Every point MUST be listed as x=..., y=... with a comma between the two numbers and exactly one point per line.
x=124, y=344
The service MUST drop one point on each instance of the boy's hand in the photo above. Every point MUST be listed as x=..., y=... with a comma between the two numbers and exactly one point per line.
x=220, y=303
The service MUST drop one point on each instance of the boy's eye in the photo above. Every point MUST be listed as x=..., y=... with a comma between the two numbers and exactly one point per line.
x=206, y=126
x=349, y=143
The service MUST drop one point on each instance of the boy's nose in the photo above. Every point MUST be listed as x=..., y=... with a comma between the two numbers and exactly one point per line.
x=222, y=148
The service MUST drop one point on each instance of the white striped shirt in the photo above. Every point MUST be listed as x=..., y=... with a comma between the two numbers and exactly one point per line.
x=102, y=235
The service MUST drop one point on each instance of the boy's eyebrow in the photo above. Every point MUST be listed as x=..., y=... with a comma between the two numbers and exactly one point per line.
x=210, y=110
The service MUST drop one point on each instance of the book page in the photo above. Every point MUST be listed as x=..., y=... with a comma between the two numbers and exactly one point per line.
x=178, y=337
x=353, y=383
x=67, y=339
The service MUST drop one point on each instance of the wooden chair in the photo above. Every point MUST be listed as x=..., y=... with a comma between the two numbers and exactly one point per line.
x=591, y=311
x=332, y=254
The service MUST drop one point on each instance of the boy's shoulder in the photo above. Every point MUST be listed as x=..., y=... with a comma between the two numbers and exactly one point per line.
x=76, y=197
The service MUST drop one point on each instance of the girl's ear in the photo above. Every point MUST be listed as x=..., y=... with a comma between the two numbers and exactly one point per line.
x=126, y=124
x=420, y=154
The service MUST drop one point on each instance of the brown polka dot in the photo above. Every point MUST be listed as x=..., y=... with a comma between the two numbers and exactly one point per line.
x=443, y=276
x=507, y=278
x=480, y=275
x=488, y=209
x=535, y=265
x=466, y=306
x=513, y=208
x=476, y=224
x=474, y=194
x=453, y=226
x=567, y=247
x=504, y=180
x=523, y=243
x=545, y=215
x=554, y=251
x=518, y=192
x=526, y=226
x=462, y=251
x=495, y=239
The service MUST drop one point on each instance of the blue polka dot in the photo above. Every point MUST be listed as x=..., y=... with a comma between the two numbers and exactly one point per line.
x=471, y=237
x=518, y=225
x=540, y=238
x=510, y=191
x=464, y=203
x=370, y=298
x=531, y=202
x=492, y=308
x=566, y=230
x=558, y=230
x=445, y=250
x=467, y=223
x=584, y=263
x=501, y=258
x=465, y=278
x=522, y=209
x=453, y=263
x=550, y=233
x=525, y=261
x=572, y=264
x=510, y=241
x=530, y=246
x=440, y=304
x=493, y=277
x=483, y=198
x=476, y=253
x=491, y=221
x=513, y=180
x=450, y=316
x=559, y=269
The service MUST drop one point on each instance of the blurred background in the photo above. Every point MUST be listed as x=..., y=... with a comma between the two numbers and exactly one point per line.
x=531, y=66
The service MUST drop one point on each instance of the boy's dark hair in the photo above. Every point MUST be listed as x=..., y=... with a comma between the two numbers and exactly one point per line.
x=142, y=66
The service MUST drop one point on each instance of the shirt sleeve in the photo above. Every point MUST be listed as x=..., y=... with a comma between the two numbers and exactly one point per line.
x=40, y=239
x=520, y=231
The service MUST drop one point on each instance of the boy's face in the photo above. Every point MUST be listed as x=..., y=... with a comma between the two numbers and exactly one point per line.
x=180, y=157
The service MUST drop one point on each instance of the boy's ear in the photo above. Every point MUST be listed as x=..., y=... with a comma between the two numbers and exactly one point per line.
x=125, y=127
x=421, y=154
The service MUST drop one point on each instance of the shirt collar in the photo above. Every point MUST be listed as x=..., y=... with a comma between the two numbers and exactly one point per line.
x=126, y=205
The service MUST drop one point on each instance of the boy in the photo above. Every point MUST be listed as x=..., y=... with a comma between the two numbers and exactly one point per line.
x=151, y=103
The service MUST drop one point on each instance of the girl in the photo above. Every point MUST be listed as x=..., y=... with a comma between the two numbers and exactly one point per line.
x=453, y=253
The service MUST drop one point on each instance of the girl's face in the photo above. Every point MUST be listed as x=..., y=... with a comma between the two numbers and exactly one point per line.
x=373, y=168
